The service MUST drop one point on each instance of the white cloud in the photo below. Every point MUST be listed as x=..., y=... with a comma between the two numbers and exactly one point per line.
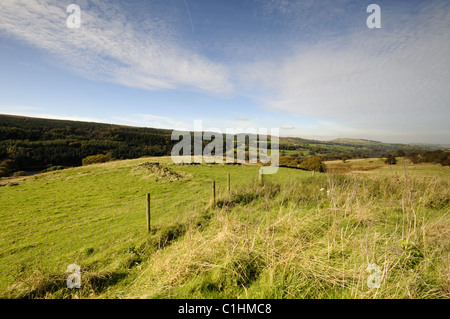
x=324, y=62
x=395, y=79
x=287, y=127
x=109, y=47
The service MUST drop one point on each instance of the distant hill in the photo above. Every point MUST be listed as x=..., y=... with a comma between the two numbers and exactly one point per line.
x=34, y=143
x=31, y=144
x=294, y=150
x=443, y=146
x=353, y=141
x=361, y=143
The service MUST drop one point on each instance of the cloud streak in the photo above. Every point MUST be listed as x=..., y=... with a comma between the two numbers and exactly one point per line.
x=144, y=54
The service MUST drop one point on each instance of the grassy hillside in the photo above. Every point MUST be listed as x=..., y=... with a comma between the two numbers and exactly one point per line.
x=342, y=148
x=354, y=141
x=296, y=236
x=54, y=219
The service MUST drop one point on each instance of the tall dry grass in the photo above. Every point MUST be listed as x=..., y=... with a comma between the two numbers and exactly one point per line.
x=307, y=238
x=313, y=238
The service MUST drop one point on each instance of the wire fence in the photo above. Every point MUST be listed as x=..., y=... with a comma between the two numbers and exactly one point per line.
x=61, y=239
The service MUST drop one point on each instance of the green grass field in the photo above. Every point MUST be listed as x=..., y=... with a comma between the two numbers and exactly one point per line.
x=295, y=236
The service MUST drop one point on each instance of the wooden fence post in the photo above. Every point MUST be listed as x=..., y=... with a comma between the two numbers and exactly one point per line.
x=313, y=172
x=214, y=192
x=147, y=197
x=229, y=185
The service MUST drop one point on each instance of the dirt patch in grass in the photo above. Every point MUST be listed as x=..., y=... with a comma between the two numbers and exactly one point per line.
x=343, y=169
x=160, y=171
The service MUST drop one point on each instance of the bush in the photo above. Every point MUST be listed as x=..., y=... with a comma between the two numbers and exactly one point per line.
x=390, y=160
x=439, y=156
x=53, y=168
x=400, y=153
x=4, y=172
x=446, y=162
x=313, y=164
x=5, y=168
x=288, y=161
x=20, y=173
x=100, y=158
x=75, y=144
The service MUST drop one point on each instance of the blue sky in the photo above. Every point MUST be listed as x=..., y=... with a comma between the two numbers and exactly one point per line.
x=310, y=68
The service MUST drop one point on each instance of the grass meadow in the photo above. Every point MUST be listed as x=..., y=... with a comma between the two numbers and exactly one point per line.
x=293, y=236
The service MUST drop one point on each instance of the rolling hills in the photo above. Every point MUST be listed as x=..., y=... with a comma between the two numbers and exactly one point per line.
x=34, y=144
x=294, y=236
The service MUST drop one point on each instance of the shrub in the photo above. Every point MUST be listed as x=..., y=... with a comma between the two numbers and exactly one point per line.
x=390, y=160
x=439, y=156
x=4, y=172
x=75, y=144
x=446, y=162
x=399, y=153
x=99, y=158
x=5, y=168
x=20, y=173
x=288, y=161
x=53, y=168
x=313, y=164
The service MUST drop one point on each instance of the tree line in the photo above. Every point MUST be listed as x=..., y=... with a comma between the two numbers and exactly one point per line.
x=35, y=144
x=437, y=157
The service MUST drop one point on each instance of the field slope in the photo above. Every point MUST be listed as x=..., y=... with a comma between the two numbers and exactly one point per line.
x=293, y=235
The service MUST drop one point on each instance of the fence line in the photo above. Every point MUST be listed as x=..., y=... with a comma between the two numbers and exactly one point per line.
x=39, y=228
x=85, y=227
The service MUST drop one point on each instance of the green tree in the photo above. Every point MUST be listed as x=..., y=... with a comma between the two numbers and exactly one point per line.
x=390, y=160
x=100, y=158
x=400, y=153
x=313, y=164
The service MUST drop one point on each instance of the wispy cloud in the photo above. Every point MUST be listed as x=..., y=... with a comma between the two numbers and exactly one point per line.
x=317, y=60
x=189, y=14
x=394, y=79
x=287, y=127
x=113, y=46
